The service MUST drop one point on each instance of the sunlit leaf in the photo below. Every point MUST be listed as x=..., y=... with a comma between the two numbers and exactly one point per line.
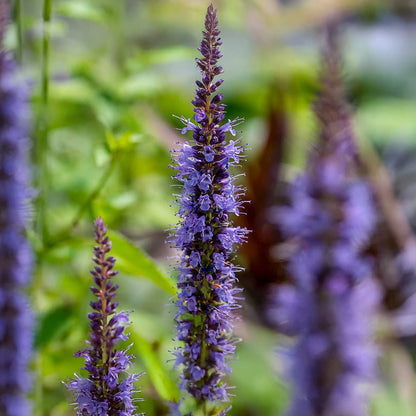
x=132, y=260
x=81, y=10
x=160, y=56
x=382, y=120
x=122, y=142
x=159, y=375
x=388, y=403
x=140, y=85
x=72, y=90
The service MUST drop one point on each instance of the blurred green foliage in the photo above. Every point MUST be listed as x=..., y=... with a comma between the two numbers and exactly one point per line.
x=117, y=71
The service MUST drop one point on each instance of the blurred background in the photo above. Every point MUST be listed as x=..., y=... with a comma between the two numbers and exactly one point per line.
x=107, y=77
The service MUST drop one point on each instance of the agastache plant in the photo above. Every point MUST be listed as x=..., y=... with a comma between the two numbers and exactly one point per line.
x=104, y=392
x=332, y=300
x=15, y=253
x=205, y=234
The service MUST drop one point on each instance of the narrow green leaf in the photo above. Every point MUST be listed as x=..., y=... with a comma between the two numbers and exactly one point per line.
x=51, y=325
x=164, y=385
x=132, y=260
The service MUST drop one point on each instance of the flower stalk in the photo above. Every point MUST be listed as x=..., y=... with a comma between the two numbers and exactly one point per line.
x=103, y=392
x=205, y=235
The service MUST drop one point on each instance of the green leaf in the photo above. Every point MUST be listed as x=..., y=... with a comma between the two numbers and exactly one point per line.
x=139, y=85
x=132, y=260
x=111, y=141
x=165, y=55
x=73, y=91
x=383, y=118
x=51, y=325
x=164, y=385
x=388, y=403
x=128, y=140
x=81, y=10
x=123, y=142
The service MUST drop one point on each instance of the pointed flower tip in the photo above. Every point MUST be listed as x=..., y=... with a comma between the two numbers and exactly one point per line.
x=99, y=223
x=211, y=18
x=100, y=227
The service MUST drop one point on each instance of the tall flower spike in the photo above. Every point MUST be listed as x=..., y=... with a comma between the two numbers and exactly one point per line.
x=205, y=234
x=15, y=253
x=330, y=304
x=103, y=392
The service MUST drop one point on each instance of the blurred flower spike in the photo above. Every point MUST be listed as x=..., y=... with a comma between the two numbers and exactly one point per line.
x=15, y=252
x=330, y=306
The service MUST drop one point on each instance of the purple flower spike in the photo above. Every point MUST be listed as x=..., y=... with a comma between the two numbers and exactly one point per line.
x=107, y=390
x=332, y=300
x=15, y=253
x=205, y=235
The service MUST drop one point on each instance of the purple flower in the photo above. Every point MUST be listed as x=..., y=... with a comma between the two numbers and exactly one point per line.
x=16, y=256
x=205, y=235
x=332, y=300
x=107, y=390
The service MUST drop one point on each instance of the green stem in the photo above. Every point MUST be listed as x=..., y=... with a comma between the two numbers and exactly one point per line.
x=19, y=29
x=95, y=193
x=202, y=409
x=47, y=10
x=40, y=151
x=66, y=233
x=38, y=391
x=41, y=144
